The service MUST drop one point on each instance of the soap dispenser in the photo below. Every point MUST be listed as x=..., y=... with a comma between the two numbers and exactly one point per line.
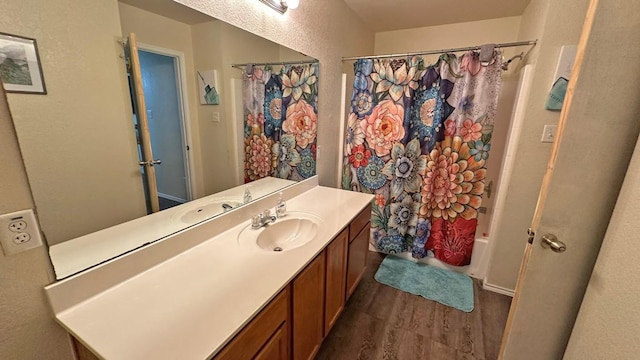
x=247, y=195
x=281, y=207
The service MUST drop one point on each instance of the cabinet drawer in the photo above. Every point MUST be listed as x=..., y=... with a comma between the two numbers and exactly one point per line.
x=272, y=321
x=359, y=222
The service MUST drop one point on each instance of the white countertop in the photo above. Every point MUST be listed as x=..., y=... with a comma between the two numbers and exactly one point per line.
x=191, y=305
x=78, y=254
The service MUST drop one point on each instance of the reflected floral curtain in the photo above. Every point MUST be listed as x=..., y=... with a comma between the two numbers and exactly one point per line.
x=418, y=138
x=281, y=121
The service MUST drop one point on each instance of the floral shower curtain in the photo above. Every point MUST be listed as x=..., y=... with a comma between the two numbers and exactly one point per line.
x=418, y=137
x=281, y=121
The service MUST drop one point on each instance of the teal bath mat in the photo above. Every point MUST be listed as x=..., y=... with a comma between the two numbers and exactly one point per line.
x=444, y=286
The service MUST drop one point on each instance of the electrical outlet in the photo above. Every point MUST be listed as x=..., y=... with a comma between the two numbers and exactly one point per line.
x=215, y=116
x=548, y=133
x=19, y=232
x=17, y=226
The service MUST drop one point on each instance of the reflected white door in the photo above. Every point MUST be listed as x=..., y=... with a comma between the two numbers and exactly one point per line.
x=163, y=102
x=596, y=135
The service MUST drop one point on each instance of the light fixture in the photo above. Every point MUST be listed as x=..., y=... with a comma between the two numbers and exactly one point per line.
x=281, y=6
x=292, y=4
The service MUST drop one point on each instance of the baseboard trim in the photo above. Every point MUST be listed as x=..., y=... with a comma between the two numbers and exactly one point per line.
x=170, y=197
x=497, y=289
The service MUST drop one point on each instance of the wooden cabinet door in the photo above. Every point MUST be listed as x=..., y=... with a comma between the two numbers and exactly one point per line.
x=308, y=309
x=357, y=260
x=277, y=348
x=270, y=328
x=336, y=279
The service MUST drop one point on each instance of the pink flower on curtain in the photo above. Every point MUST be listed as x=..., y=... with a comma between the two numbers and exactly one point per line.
x=360, y=156
x=258, y=163
x=471, y=63
x=453, y=181
x=380, y=200
x=302, y=122
x=452, y=241
x=471, y=131
x=383, y=127
x=450, y=127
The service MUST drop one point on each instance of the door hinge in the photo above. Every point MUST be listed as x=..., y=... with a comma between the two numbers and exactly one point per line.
x=532, y=235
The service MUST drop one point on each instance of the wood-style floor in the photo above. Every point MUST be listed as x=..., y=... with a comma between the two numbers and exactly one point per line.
x=380, y=322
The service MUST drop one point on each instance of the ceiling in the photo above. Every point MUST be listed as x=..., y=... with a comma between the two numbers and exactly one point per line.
x=387, y=15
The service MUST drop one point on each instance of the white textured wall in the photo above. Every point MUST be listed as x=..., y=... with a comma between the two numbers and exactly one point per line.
x=77, y=141
x=326, y=30
x=448, y=36
x=608, y=323
x=28, y=330
x=553, y=23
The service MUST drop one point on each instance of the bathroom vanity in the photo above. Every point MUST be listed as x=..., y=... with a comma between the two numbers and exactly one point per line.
x=211, y=292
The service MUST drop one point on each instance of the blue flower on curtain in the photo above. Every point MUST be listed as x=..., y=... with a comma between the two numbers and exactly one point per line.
x=423, y=229
x=362, y=103
x=426, y=115
x=405, y=167
x=480, y=150
x=392, y=244
x=272, y=110
x=371, y=175
x=404, y=216
x=307, y=167
x=286, y=156
x=363, y=69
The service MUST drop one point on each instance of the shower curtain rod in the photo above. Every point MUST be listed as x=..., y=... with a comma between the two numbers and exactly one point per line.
x=442, y=51
x=242, y=66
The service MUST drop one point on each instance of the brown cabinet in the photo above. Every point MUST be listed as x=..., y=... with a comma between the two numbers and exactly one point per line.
x=308, y=309
x=336, y=282
x=277, y=348
x=358, y=249
x=266, y=336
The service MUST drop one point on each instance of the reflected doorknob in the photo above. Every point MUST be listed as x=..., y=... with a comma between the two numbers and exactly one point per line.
x=150, y=162
x=550, y=241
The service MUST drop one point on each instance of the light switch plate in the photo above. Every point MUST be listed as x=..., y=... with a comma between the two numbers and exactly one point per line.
x=548, y=133
x=19, y=231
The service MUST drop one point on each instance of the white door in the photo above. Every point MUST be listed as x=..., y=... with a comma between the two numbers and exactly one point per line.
x=597, y=132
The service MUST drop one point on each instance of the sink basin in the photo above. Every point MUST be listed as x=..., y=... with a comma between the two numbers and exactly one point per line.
x=290, y=232
x=196, y=214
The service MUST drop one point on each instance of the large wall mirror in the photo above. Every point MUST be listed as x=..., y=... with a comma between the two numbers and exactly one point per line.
x=82, y=141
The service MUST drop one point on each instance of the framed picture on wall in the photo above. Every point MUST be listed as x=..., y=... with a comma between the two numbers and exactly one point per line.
x=208, y=86
x=20, y=69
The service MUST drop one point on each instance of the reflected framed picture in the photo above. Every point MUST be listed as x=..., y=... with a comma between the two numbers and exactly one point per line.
x=20, y=69
x=208, y=86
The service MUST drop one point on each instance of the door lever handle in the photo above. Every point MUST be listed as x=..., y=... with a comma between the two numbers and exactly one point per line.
x=150, y=162
x=550, y=241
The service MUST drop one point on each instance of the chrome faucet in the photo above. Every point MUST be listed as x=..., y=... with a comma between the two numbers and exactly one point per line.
x=262, y=219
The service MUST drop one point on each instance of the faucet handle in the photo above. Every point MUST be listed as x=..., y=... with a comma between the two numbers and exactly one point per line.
x=256, y=221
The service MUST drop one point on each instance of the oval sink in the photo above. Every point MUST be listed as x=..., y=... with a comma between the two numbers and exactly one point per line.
x=290, y=232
